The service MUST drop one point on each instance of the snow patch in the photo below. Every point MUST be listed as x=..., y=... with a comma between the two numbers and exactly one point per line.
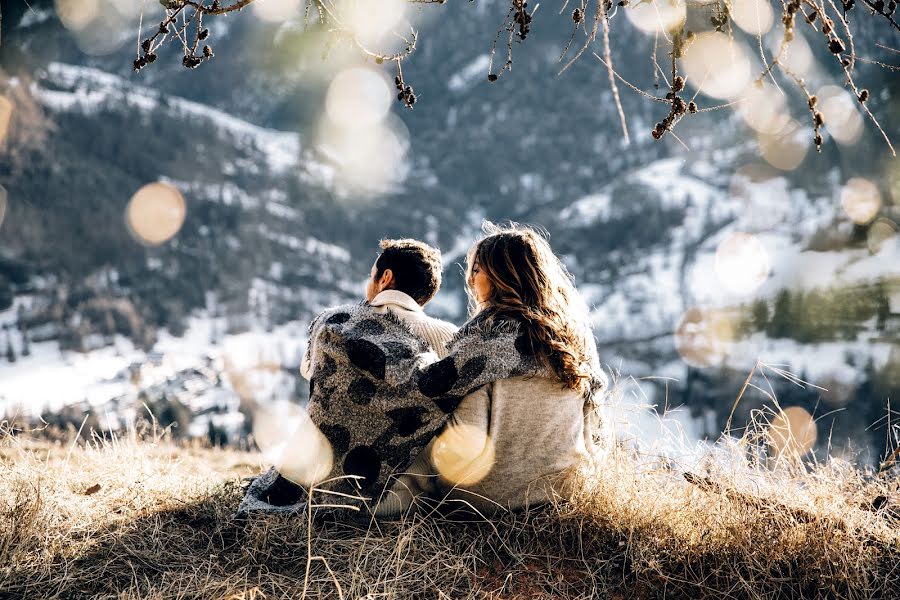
x=469, y=74
x=87, y=88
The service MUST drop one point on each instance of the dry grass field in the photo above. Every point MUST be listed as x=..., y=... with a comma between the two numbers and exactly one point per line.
x=144, y=518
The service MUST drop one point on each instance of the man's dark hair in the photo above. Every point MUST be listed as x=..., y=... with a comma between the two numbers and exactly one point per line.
x=416, y=267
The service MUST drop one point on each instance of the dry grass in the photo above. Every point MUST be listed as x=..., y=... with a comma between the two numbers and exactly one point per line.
x=159, y=526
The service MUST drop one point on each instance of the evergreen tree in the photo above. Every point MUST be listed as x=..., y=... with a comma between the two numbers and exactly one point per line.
x=781, y=324
x=171, y=412
x=870, y=404
x=810, y=317
x=760, y=315
x=26, y=343
x=6, y=294
x=109, y=328
x=883, y=307
x=216, y=435
x=10, y=352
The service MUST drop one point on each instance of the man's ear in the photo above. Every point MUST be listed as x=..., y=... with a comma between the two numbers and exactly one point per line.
x=387, y=280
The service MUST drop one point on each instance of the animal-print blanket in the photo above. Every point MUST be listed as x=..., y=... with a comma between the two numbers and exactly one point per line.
x=379, y=395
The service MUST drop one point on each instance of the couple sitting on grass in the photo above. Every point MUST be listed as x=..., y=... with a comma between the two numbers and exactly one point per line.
x=417, y=414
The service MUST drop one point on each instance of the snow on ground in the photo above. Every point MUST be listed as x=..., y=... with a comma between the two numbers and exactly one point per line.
x=476, y=70
x=828, y=364
x=649, y=295
x=820, y=363
x=771, y=204
x=465, y=239
x=35, y=16
x=308, y=244
x=647, y=300
x=590, y=209
x=48, y=380
x=282, y=211
x=285, y=344
x=86, y=88
x=792, y=267
x=676, y=189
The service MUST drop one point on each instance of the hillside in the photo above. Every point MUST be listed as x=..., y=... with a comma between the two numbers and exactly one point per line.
x=270, y=238
x=148, y=519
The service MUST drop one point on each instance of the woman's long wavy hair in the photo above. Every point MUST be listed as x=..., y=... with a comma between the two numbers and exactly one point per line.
x=529, y=284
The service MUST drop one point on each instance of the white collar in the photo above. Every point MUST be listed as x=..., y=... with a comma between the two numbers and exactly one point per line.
x=396, y=298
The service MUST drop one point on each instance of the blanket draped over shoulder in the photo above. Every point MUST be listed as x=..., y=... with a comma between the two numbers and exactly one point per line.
x=379, y=395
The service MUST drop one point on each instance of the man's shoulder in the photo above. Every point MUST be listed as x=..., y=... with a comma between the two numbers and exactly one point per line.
x=334, y=319
x=338, y=314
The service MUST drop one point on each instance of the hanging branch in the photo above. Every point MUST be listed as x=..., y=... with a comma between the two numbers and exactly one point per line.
x=607, y=54
x=183, y=23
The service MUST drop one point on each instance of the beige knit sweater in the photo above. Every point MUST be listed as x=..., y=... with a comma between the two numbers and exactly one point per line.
x=536, y=433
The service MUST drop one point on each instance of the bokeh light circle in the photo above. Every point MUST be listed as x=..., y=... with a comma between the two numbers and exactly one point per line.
x=797, y=55
x=838, y=391
x=462, y=454
x=6, y=112
x=277, y=10
x=753, y=16
x=292, y=443
x=742, y=263
x=703, y=337
x=657, y=16
x=358, y=97
x=893, y=181
x=861, y=200
x=842, y=117
x=792, y=431
x=77, y=15
x=786, y=149
x=717, y=65
x=3, y=201
x=368, y=159
x=155, y=213
x=882, y=236
x=129, y=9
x=373, y=22
x=97, y=26
x=764, y=109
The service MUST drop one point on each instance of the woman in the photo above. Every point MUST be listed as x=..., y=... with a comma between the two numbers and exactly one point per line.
x=515, y=441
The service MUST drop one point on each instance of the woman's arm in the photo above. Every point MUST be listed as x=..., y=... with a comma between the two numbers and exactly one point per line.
x=474, y=411
x=463, y=454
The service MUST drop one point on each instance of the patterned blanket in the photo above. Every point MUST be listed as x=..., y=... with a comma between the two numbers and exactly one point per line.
x=379, y=395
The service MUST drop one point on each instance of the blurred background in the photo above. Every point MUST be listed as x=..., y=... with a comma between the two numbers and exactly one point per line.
x=167, y=235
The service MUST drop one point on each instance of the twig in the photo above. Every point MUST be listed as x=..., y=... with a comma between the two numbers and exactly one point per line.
x=607, y=53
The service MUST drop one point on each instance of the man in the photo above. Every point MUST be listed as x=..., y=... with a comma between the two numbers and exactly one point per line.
x=371, y=425
x=404, y=278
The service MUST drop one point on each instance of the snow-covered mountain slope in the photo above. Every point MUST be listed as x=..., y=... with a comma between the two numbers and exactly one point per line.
x=267, y=241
